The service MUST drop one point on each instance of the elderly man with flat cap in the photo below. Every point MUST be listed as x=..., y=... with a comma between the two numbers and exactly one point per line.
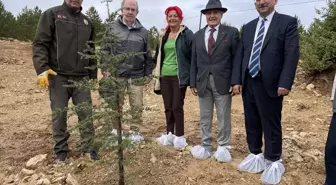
x=214, y=48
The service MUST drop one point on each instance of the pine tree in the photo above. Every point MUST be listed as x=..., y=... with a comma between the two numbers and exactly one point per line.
x=301, y=28
x=109, y=110
x=153, y=37
x=241, y=29
x=93, y=15
x=226, y=23
x=111, y=18
x=7, y=22
x=27, y=22
x=318, y=46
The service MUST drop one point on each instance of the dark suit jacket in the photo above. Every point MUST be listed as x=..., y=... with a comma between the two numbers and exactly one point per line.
x=279, y=55
x=219, y=63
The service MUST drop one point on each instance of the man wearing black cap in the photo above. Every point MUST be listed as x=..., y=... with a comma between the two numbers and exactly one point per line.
x=214, y=48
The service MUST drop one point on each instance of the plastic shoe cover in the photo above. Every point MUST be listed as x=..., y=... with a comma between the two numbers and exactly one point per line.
x=253, y=163
x=200, y=152
x=115, y=141
x=135, y=137
x=170, y=138
x=166, y=140
x=180, y=143
x=162, y=139
x=273, y=173
x=222, y=154
x=115, y=133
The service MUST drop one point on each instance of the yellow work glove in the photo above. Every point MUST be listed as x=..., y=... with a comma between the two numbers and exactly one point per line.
x=42, y=79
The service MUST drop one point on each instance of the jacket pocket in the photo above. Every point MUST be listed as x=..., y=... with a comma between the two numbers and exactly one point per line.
x=84, y=34
x=66, y=45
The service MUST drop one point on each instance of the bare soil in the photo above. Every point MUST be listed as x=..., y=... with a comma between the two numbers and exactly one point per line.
x=25, y=131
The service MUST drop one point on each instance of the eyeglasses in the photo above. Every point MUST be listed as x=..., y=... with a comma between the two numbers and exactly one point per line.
x=130, y=9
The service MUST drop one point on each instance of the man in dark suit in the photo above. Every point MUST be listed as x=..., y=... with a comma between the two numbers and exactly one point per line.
x=330, y=148
x=212, y=56
x=265, y=66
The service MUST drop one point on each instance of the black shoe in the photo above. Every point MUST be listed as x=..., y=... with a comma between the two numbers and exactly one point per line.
x=61, y=156
x=93, y=155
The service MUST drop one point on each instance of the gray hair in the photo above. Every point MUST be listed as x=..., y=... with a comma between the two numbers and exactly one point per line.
x=136, y=3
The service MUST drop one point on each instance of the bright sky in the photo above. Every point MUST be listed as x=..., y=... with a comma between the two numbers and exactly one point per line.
x=152, y=11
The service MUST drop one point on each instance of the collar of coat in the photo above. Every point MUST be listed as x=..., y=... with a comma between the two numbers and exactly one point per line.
x=158, y=60
x=72, y=10
x=164, y=32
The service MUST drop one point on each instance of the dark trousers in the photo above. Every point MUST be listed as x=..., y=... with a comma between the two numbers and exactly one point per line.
x=173, y=99
x=262, y=115
x=330, y=153
x=59, y=98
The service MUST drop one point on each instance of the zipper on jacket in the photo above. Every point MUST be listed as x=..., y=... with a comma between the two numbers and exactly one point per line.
x=76, y=44
x=178, y=68
x=127, y=60
x=57, y=50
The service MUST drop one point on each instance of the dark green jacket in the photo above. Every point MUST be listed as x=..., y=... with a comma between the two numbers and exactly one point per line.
x=62, y=33
x=183, y=46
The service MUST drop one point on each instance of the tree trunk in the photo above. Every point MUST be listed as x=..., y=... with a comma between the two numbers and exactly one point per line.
x=120, y=150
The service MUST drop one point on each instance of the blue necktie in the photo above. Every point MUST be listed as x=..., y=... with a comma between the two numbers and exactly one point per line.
x=254, y=62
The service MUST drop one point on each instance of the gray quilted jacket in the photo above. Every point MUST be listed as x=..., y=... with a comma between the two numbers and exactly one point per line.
x=133, y=40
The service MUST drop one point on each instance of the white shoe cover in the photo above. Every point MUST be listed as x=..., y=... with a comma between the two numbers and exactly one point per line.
x=170, y=138
x=253, y=163
x=273, y=173
x=166, y=140
x=162, y=139
x=115, y=133
x=135, y=137
x=222, y=154
x=200, y=152
x=180, y=143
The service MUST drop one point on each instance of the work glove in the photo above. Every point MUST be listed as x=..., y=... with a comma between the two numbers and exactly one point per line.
x=42, y=79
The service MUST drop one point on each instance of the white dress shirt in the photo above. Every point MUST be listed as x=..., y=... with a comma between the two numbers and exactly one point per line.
x=129, y=26
x=333, y=89
x=267, y=24
x=207, y=35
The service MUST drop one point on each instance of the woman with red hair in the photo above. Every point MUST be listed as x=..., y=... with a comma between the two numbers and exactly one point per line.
x=173, y=59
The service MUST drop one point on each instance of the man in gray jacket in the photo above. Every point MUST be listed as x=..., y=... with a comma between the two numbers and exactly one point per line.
x=134, y=39
x=330, y=149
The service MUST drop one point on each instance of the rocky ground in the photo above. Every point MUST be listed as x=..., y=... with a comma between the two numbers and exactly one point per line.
x=26, y=145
